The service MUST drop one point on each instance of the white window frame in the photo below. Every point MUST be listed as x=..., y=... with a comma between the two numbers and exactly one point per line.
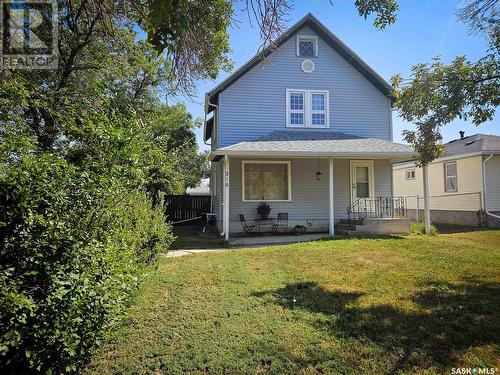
x=410, y=171
x=371, y=177
x=289, y=111
x=308, y=112
x=289, y=177
x=308, y=38
x=446, y=177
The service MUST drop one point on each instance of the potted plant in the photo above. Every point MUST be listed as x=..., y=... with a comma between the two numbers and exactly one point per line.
x=263, y=210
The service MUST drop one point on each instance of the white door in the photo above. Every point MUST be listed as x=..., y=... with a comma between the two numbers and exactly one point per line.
x=361, y=179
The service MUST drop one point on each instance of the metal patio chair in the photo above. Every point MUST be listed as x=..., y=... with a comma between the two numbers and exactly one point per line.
x=248, y=229
x=281, y=222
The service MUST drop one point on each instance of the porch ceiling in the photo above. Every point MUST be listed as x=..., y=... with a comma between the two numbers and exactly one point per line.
x=314, y=143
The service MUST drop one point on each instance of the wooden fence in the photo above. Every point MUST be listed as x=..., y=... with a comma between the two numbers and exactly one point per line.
x=182, y=207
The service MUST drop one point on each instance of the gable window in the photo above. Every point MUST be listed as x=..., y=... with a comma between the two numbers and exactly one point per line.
x=266, y=181
x=450, y=177
x=307, y=108
x=410, y=174
x=307, y=46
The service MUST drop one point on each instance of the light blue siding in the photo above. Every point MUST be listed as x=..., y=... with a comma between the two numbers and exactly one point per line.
x=310, y=197
x=255, y=104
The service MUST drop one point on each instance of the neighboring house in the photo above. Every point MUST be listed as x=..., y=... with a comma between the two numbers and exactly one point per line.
x=462, y=184
x=202, y=189
x=312, y=105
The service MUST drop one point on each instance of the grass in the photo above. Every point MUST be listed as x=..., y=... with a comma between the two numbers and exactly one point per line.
x=192, y=237
x=402, y=305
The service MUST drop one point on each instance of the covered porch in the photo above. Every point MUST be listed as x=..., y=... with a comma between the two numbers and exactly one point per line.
x=316, y=184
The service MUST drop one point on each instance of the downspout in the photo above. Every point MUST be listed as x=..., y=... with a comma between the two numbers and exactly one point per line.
x=484, y=188
x=205, y=142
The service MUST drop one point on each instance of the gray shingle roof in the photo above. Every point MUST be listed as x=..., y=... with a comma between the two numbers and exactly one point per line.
x=471, y=144
x=314, y=142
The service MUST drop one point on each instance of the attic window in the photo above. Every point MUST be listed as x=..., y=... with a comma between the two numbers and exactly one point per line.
x=307, y=46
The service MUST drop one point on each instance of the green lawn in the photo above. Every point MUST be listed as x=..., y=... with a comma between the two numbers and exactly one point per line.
x=414, y=305
x=192, y=237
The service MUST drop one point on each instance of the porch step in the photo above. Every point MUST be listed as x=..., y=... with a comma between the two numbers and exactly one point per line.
x=355, y=222
x=345, y=226
x=344, y=232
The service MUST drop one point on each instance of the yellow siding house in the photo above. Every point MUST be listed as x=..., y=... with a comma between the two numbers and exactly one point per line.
x=464, y=184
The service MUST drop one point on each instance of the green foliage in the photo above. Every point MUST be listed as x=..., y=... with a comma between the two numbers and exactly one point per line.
x=71, y=253
x=418, y=227
x=438, y=93
x=194, y=36
x=385, y=11
x=86, y=153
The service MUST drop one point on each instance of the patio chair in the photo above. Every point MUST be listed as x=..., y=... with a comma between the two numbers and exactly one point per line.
x=248, y=229
x=281, y=222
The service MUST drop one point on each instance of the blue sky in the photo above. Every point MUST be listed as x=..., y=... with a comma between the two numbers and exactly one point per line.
x=424, y=29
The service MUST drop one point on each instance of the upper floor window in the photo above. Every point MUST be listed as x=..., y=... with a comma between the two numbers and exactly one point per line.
x=410, y=174
x=307, y=108
x=450, y=177
x=307, y=46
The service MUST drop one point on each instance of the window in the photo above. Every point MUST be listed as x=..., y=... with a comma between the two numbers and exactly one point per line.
x=410, y=174
x=307, y=108
x=450, y=177
x=266, y=181
x=307, y=46
x=297, y=108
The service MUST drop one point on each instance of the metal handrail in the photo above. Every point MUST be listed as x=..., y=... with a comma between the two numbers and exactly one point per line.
x=380, y=207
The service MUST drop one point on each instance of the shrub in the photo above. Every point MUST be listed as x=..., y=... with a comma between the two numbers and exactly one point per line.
x=418, y=227
x=73, y=244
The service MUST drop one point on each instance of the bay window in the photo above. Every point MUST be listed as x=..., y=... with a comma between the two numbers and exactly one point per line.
x=266, y=181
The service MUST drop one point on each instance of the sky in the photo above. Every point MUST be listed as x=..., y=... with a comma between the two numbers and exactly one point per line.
x=423, y=29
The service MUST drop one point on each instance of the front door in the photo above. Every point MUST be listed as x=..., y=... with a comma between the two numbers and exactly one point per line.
x=361, y=179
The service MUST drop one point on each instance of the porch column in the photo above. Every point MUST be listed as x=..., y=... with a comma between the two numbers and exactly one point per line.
x=225, y=179
x=331, y=227
x=427, y=208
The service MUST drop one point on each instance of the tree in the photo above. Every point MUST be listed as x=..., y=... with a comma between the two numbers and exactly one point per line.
x=438, y=93
x=194, y=34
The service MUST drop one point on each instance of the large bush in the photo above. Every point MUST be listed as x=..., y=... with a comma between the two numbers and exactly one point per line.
x=87, y=151
x=72, y=250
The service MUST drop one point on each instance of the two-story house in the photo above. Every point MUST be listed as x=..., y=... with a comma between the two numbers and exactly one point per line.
x=308, y=130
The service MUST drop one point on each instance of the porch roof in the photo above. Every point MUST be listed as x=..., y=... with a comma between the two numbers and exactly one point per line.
x=314, y=143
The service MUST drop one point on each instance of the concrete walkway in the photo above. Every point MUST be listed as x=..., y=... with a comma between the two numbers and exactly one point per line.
x=249, y=242
x=181, y=253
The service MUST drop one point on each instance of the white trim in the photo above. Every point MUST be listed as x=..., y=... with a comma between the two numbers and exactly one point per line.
x=226, y=182
x=313, y=38
x=290, y=111
x=289, y=177
x=331, y=221
x=391, y=127
x=410, y=164
x=406, y=174
x=309, y=154
x=445, y=172
x=307, y=61
x=371, y=178
x=307, y=111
